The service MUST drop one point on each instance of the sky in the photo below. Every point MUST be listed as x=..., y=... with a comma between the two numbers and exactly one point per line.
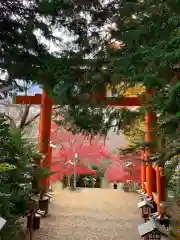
x=34, y=90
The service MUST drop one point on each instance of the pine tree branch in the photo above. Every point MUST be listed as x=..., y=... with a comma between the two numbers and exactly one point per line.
x=173, y=154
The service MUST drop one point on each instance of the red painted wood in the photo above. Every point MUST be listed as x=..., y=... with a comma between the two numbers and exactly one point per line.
x=143, y=171
x=125, y=101
x=33, y=100
x=160, y=181
x=49, y=162
x=45, y=131
x=149, y=165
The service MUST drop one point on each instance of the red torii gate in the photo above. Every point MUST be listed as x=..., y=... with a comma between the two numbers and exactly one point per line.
x=151, y=179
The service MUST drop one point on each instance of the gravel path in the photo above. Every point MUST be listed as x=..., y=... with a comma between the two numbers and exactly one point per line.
x=90, y=214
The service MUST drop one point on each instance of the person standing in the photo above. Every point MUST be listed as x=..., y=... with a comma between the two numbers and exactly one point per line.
x=115, y=185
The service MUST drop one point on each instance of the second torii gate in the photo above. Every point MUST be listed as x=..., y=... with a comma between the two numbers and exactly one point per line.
x=151, y=179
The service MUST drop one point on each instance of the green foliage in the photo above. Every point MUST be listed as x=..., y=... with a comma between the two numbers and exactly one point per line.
x=15, y=179
x=172, y=105
x=147, y=29
x=99, y=171
x=135, y=132
x=148, y=32
x=4, y=167
x=41, y=173
x=24, y=55
x=101, y=167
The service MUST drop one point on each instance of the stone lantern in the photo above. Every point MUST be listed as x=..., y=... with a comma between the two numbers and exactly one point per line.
x=152, y=230
x=146, y=208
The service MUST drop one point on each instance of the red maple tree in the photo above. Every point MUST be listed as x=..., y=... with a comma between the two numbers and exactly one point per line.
x=124, y=168
x=90, y=150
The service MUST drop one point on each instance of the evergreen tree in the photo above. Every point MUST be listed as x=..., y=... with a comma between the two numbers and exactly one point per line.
x=135, y=132
x=147, y=36
x=25, y=26
x=93, y=25
x=15, y=179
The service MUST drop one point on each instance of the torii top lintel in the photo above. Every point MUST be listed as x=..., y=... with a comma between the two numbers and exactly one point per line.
x=124, y=101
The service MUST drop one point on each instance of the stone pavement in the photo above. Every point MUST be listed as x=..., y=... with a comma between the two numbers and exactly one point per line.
x=89, y=214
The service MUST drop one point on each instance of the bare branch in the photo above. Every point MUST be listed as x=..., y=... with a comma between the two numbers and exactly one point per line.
x=32, y=119
x=36, y=116
x=24, y=117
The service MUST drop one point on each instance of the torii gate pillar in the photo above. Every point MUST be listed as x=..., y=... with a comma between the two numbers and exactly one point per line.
x=150, y=121
x=45, y=132
x=143, y=171
x=44, y=126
